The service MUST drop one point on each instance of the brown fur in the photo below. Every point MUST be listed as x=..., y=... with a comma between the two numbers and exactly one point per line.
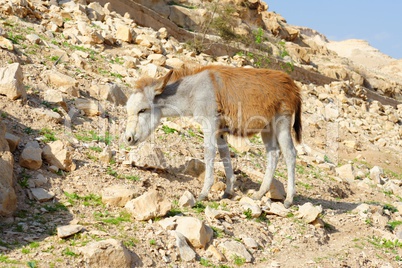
x=248, y=99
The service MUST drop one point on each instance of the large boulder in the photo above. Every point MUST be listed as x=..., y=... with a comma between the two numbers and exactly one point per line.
x=150, y=205
x=11, y=78
x=8, y=198
x=59, y=154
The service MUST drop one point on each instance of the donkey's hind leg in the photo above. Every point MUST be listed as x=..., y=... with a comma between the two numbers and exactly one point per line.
x=273, y=152
x=225, y=156
x=284, y=136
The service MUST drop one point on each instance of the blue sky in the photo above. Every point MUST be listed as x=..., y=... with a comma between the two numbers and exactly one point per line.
x=378, y=22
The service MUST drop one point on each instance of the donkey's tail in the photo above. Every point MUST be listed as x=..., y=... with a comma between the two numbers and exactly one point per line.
x=297, y=126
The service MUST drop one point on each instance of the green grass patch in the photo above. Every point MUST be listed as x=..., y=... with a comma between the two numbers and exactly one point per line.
x=48, y=135
x=5, y=259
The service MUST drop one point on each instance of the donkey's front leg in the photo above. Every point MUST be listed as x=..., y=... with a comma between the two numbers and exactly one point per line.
x=209, y=158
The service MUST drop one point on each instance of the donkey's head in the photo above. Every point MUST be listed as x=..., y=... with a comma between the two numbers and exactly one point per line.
x=143, y=114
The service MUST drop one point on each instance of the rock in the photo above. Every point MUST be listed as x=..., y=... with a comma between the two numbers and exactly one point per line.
x=248, y=204
x=174, y=63
x=62, y=82
x=309, y=212
x=345, y=172
x=6, y=43
x=277, y=190
x=40, y=180
x=148, y=206
x=106, y=253
x=31, y=157
x=168, y=223
x=239, y=143
x=68, y=230
x=89, y=107
x=235, y=248
x=8, y=198
x=196, y=232
x=47, y=114
x=187, y=200
x=148, y=156
x=110, y=92
x=194, y=167
x=41, y=194
x=95, y=11
x=157, y=59
x=123, y=33
x=11, y=78
x=218, y=186
x=33, y=38
x=117, y=195
x=58, y=154
x=106, y=155
x=279, y=209
x=54, y=96
x=216, y=253
x=12, y=140
x=186, y=252
x=375, y=174
x=212, y=213
x=250, y=242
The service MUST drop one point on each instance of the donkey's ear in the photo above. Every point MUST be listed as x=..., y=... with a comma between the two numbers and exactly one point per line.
x=161, y=83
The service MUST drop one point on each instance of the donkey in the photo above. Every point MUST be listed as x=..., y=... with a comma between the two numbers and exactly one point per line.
x=239, y=101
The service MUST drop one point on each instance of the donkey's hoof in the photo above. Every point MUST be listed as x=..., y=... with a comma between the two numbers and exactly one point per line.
x=202, y=197
x=287, y=203
x=227, y=196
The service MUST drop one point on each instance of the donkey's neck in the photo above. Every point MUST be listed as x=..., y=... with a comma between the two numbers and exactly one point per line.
x=175, y=99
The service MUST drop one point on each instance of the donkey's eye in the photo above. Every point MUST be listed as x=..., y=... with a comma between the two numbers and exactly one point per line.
x=142, y=111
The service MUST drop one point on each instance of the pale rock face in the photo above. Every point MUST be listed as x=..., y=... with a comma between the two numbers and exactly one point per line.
x=148, y=206
x=196, y=232
x=59, y=154
x=11, y=81
x=117, y=195
x=8, y=198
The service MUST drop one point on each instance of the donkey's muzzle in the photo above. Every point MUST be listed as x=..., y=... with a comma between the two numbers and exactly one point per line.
x=130, y=139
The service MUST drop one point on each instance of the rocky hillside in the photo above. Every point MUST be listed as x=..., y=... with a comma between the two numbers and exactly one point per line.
x=72, y=194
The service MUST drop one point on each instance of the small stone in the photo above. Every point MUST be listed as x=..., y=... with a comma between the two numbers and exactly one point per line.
x=41, y=194
x=31, y=158
x=12, y=140
x=186, y=252
x=187, y=200
x=235, y=248
x=89, y=107
x=68, y=230
x=375, y=174
x=250, y=242
x=40, y=180
x=117, y=195
x=168, y=223
x=345, y=172
x=148, y=206
x=309, y=212
x=6, y=43
x=106, y=253
x=124, y=33
x=279, y=209
x=105, y=156
x=216, y=253
x=157, y=59
x=58, y=154
x=11, y=81
x=196, y=232
x=248, y=204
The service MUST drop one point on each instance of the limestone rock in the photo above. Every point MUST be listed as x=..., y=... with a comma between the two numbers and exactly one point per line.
x=40, y=180
x=8, y=198
x=31, y=157
x=106, y=253
x=236, y=248
x=375, y=174
x=11, y=81
x=240, y=144
x=117, y=195
x=279, y=209
x=68, y=230
x=196, y=232
x=148, y=156
x=345, y=172
x=187, y=200
x=168, y=223
x=277, y=190
x=157, y=59
x=110, y=92
x=41, y=194
x=89, y=107
x=62, y=82
x=174, y=63
x=12, y=140
x=309, y=212
x=194, y=167
x=58, y=154
x=248, y=204
x=106, y=155
x=148, y=206
x=186, y=252
x=212, y=213
x=123, y=33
